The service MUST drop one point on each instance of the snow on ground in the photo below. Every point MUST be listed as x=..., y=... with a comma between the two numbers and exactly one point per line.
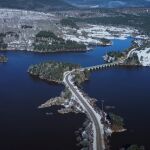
x=144, y=56
x=91, y=34
x=142, y=37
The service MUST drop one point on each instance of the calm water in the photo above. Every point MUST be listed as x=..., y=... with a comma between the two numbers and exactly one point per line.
x=23, y=126
x=128, y=90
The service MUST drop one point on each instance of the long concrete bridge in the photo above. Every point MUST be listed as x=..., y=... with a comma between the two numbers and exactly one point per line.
x=102, y=66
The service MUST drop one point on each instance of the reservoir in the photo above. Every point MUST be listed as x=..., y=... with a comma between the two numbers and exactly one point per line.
x=23, y=126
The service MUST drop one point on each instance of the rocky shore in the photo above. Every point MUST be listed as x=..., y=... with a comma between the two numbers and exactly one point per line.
x=66, y=100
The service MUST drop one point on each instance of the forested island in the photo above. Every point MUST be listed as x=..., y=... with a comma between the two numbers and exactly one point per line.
x=105, y=42
x=51, y=71
x=47, y=41
x=117, y=123
x=54, y=71
x=113, y=56
x=3, y=59
x=134, y=147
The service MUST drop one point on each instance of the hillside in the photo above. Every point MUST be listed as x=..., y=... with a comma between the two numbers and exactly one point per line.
x=42, y=5
x=110, y=3
x=45, y=5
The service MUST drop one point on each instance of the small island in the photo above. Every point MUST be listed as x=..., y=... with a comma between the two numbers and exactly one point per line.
x=105, y=42
x=113, y=56
x=134, y=147
x=3, y=59
x=117, y=123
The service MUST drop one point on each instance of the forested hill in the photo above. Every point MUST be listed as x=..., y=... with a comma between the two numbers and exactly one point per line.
x=42, y=5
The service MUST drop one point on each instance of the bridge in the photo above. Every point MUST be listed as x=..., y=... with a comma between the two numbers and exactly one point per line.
x=102, y=66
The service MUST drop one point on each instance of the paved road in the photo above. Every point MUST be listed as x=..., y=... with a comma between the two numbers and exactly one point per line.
x=99, y=137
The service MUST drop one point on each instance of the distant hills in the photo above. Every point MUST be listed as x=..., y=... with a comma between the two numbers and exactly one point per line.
x=110, y=3
x=35, y=4
x=45, y=5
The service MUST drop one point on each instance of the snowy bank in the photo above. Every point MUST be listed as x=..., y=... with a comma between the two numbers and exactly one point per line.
x=144, y=56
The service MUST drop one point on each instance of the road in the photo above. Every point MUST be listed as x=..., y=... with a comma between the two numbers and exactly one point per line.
x=99, y=141
x=130, y=52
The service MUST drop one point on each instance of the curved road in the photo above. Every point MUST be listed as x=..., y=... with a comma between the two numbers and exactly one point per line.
x=99, y=141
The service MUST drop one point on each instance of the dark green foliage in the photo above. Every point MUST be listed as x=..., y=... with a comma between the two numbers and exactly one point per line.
x=116, y=120
x=46, y=34
x=115, y=54
x=3, y=45
x=26, y=27
x=81, y=76
x=105, y=41
x=138, y=21
x=134, y=60
x=47, y=41
x=51, y=71
x=135, y=147
x=69, y=22
x=87, y=73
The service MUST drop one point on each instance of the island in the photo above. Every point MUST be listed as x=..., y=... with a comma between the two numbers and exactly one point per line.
x=51, y=71
x=134, y=147
x=117, y=123
x=3, y=59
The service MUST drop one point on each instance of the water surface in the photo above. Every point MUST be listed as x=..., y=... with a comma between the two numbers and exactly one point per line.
x=23, y=126
x=128, y=90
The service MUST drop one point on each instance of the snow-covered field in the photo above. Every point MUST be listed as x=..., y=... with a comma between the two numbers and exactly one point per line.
x=144, y=56
x=91, y=34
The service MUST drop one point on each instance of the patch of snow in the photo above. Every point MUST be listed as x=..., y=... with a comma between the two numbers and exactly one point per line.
x=92, y=34
x=144, y=56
